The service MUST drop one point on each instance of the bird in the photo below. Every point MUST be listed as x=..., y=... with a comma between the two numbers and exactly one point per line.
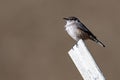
x=77, y=30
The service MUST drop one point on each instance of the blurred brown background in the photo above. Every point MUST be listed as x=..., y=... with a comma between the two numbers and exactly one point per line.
x=34, y=44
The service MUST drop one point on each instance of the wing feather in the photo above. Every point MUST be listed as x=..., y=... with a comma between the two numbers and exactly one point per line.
x=85, y=29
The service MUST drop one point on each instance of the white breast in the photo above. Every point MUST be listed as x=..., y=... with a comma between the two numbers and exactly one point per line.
x=72, y=31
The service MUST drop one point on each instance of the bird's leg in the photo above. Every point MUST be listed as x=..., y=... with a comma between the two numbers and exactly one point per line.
x=76, y=44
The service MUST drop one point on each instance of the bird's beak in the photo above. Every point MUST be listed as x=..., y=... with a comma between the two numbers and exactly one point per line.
x=65, y=18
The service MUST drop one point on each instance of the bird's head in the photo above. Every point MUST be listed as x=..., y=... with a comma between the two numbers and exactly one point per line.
x=71, y=19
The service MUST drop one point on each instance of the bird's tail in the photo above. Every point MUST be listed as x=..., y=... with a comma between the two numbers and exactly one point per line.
x=98, y=42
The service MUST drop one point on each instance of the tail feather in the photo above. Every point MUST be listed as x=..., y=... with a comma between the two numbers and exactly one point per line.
x=100, y=43
x=97, y=41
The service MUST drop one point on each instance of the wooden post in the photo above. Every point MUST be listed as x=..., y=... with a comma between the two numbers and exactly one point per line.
x=85, y=62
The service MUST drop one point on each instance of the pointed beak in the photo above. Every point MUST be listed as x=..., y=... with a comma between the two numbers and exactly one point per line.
x=65, y=18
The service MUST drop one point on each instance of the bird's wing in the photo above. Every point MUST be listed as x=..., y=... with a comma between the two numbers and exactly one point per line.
x=85, y=29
